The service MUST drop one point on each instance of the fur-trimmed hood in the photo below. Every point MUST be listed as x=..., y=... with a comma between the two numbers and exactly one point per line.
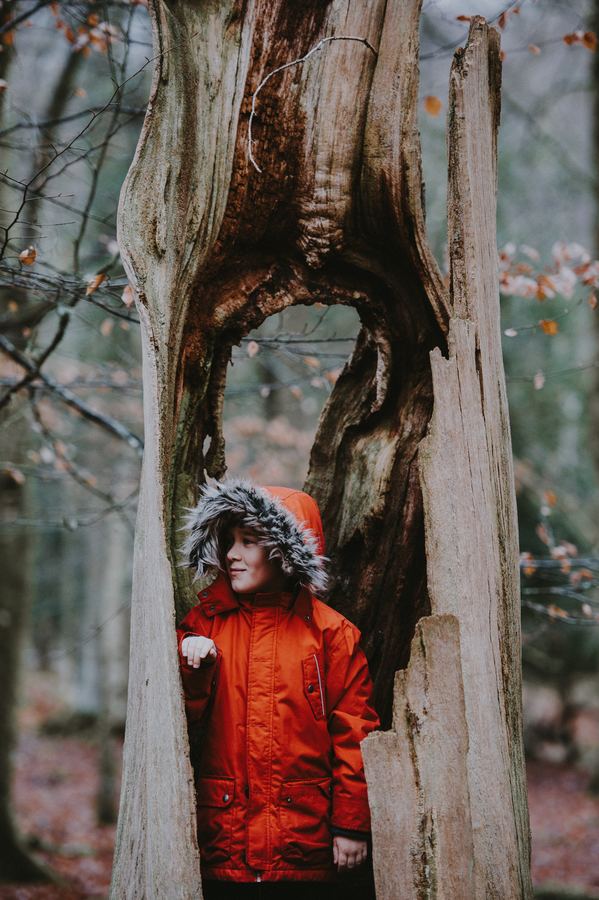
x=288, y=519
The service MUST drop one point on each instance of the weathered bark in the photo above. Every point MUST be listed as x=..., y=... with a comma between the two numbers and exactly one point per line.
x=213, y=248
x=417, y=775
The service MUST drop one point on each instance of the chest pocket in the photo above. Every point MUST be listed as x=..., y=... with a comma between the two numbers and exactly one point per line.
x=313, y=677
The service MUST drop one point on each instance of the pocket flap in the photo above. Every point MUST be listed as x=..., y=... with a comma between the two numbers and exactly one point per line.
x=215, y=790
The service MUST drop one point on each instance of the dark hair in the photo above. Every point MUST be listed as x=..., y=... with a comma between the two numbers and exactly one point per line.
x=233, y=520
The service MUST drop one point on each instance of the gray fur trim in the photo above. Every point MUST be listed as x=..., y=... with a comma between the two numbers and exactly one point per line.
x=240, y=499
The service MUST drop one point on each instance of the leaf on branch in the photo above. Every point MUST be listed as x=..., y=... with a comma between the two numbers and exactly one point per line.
x=14, y=473
x=542, y=533
x=556, y=612
x=312, y=361
x=550, y=498
x=95, y=283
x=530, y=568
x=28, y=256
x=432, y=105
x=588, y=39
x=463, y=18
x=128, y=296
x=549, y=326
x=502, y=20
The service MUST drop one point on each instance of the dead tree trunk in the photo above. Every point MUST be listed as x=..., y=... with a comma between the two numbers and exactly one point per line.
x=213, y=247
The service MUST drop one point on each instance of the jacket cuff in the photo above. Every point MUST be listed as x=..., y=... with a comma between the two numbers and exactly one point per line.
x=351, y=833
x=351, y=813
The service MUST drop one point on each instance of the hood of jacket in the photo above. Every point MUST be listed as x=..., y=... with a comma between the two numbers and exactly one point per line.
x=287, y=519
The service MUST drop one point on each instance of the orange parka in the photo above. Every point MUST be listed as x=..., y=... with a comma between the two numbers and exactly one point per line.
x=276, y=720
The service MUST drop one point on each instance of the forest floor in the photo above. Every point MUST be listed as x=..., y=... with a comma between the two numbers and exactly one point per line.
x=56, y=784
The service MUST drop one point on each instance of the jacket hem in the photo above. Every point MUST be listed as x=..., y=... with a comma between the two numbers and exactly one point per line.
x=248, y=876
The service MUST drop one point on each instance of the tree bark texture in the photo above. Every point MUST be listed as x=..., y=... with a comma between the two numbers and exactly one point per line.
x=213, y=247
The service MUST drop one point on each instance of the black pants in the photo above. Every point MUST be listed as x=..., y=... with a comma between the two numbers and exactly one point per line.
x=289, y=890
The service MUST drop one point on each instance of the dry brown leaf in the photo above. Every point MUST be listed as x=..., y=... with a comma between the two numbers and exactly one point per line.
x=128, y=296
x=312, y=361
x=556, y=611
x=432, y=105
x=95, y=283
x=28, y=256
x=549, y=326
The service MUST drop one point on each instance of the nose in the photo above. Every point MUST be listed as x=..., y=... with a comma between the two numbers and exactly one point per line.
x=232, y=553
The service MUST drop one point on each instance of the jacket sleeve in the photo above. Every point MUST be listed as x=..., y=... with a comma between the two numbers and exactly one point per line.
x=198, y=684
x=352, y=716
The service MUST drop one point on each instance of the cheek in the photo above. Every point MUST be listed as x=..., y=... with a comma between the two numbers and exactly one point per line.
x=255, y=558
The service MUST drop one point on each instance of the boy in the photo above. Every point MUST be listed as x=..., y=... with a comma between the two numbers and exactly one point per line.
x=278, y=697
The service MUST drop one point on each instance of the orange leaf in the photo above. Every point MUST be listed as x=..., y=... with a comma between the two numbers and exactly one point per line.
x=542, y=533
x=534, y=49
x=95, y=283
x=549, y=326
x=589, y=40
x=28, y=256
x=432, y=105
x=464, y=18
x=556, y=611
x=550, y=498
x=128, y=296
x=312, y=361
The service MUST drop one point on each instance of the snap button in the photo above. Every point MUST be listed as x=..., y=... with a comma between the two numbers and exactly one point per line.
x=211, y=607
x=307, y=618
x=310, y=688
x=204, y=593
x=225, y=798
x=288, y=799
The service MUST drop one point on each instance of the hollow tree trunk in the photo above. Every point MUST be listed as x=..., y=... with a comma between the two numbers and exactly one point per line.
x=213, y=247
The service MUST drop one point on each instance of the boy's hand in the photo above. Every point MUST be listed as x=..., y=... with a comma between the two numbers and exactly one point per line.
x=198, y=648
x=347, y=853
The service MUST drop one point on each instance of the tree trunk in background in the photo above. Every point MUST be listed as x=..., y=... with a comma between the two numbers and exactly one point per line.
x=213, y=248
x=593, y=408
x=15, y=862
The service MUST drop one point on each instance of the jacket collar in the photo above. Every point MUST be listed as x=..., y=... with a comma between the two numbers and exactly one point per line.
x=219, y=597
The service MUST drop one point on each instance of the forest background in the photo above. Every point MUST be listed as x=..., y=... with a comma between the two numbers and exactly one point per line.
x=74, y=83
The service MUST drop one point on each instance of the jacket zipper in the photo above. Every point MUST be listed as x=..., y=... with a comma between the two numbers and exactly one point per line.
x=319, y=684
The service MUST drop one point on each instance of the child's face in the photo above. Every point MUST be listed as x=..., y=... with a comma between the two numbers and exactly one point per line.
x=248, y=565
